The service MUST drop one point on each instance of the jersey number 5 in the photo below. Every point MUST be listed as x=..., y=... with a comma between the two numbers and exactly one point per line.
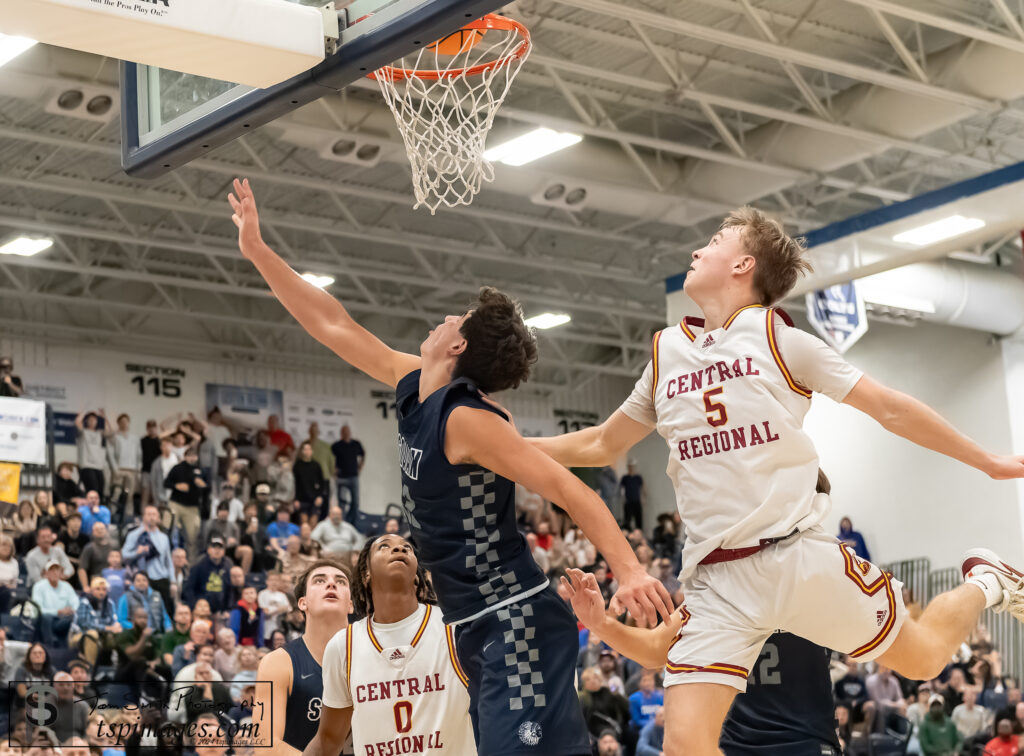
x=715, y=410
x=403, y=716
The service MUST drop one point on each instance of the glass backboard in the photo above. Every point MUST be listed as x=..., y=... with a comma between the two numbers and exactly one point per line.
x=170, y=118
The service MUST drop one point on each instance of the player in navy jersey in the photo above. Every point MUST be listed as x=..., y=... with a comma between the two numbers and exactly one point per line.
x=460, y=459
x=295, y=671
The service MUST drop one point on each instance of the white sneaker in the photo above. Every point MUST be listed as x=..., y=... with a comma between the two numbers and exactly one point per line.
x=1003, y=584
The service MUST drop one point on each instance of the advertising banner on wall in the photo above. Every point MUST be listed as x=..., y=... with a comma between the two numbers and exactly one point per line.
x=246, y=408
x=10, y=484
x=328, y=412
x=68, y=392
x=23, y=431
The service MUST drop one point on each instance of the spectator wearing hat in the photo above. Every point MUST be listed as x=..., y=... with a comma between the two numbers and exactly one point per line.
x=222, y=527
x=57, y=602
x=938, y=736
x=46, y=549
x=266, y=505
x=187, y=486
x=608, y=663
x=209, y=578
x=80, y=672
x=95, y=625
x=148, y=548
x=634, y=494
x=140, y=594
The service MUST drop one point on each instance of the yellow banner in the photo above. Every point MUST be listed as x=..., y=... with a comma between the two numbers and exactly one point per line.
x=10, y=481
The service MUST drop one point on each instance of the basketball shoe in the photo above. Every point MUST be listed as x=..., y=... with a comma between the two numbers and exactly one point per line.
x=1002, y=584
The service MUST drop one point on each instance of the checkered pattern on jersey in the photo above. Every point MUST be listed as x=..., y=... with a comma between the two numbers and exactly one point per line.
x=476, y=497
x=525, y=680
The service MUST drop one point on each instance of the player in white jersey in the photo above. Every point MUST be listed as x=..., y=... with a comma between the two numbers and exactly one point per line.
x=394, y=676
x=729, y=394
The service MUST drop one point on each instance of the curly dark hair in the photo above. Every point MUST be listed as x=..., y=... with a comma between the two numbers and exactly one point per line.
x=500, y=349
x=362, y=596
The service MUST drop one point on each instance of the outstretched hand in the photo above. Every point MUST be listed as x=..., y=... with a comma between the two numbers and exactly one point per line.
x=644, y=597
x=246, y=217
x=580, y=589
x=1006, y=468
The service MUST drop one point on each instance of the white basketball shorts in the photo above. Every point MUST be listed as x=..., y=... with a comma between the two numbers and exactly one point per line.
x=809, y=585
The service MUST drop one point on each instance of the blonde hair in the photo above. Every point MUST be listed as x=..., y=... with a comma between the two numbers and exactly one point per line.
x=98, y=581
x=780, y=258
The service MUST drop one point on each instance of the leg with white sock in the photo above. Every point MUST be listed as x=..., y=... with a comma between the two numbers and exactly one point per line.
x=925, y=646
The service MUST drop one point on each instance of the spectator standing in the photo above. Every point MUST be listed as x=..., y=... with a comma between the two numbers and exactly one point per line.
x=646, y=702
x=124, y=455
x=279, y=437
x=57, y=602
x=853, y=539
x=90, y=450
x=254, y=550
x=322, y=453
x=213, y=453
x=938, y=735
x=310, y=487
x=282, y=478
x=187, y=486
x=634, y=494
x=160, y=469
x=179, y=578
x=45, y=551
x=349, y=457
x=94, y=556
x=652, y=735
x=236, y=508
x=10, y=384
x=149, y=447
x=209, y=578
x=148, y=548
x=336, y=535
x=1005, y=743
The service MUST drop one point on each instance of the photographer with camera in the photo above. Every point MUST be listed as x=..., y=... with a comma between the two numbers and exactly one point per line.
x=10, y=384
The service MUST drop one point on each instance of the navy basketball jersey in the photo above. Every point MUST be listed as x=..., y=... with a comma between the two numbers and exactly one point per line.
x=302, y=717
x=462, y=517
x=787, y=709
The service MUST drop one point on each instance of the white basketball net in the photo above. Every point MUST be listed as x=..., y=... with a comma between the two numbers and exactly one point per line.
x=444, y=118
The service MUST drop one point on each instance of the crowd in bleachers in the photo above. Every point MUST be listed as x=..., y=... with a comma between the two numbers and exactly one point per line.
x=173, y=557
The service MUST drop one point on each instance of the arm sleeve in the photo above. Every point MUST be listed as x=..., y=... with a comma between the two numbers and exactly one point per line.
x=639, y=405
x=336, y=689
x=815, y=365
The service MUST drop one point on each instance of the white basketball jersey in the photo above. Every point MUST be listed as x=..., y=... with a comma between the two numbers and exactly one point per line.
x=742, y=467
x=408, y=699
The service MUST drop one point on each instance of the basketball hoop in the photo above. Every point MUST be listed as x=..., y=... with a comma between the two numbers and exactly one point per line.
x=444, y=98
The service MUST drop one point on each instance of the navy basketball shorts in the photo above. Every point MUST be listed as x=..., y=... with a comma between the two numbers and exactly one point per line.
x=521, y=665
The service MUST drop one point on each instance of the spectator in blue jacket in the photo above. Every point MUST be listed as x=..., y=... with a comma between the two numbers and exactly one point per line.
x=853, y=539
x=647, y=700
x=652, y=737
x=139, y=594
x=93, y=511
x=281, y=529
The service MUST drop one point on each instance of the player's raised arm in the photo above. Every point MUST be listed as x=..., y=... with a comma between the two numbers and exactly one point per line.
x=649, y=648
x=323, y=317
x=915, y=421
x=481, y=437
x=598, y=446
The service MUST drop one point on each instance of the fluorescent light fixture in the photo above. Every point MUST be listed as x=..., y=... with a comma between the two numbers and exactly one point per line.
x=548, y=320
x=25, y=246
x=318, y=280
x=12, y=47
x=947, y=228
x=531, y=146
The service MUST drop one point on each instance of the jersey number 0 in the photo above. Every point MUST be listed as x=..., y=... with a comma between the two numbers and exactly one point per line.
x=403, y=716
